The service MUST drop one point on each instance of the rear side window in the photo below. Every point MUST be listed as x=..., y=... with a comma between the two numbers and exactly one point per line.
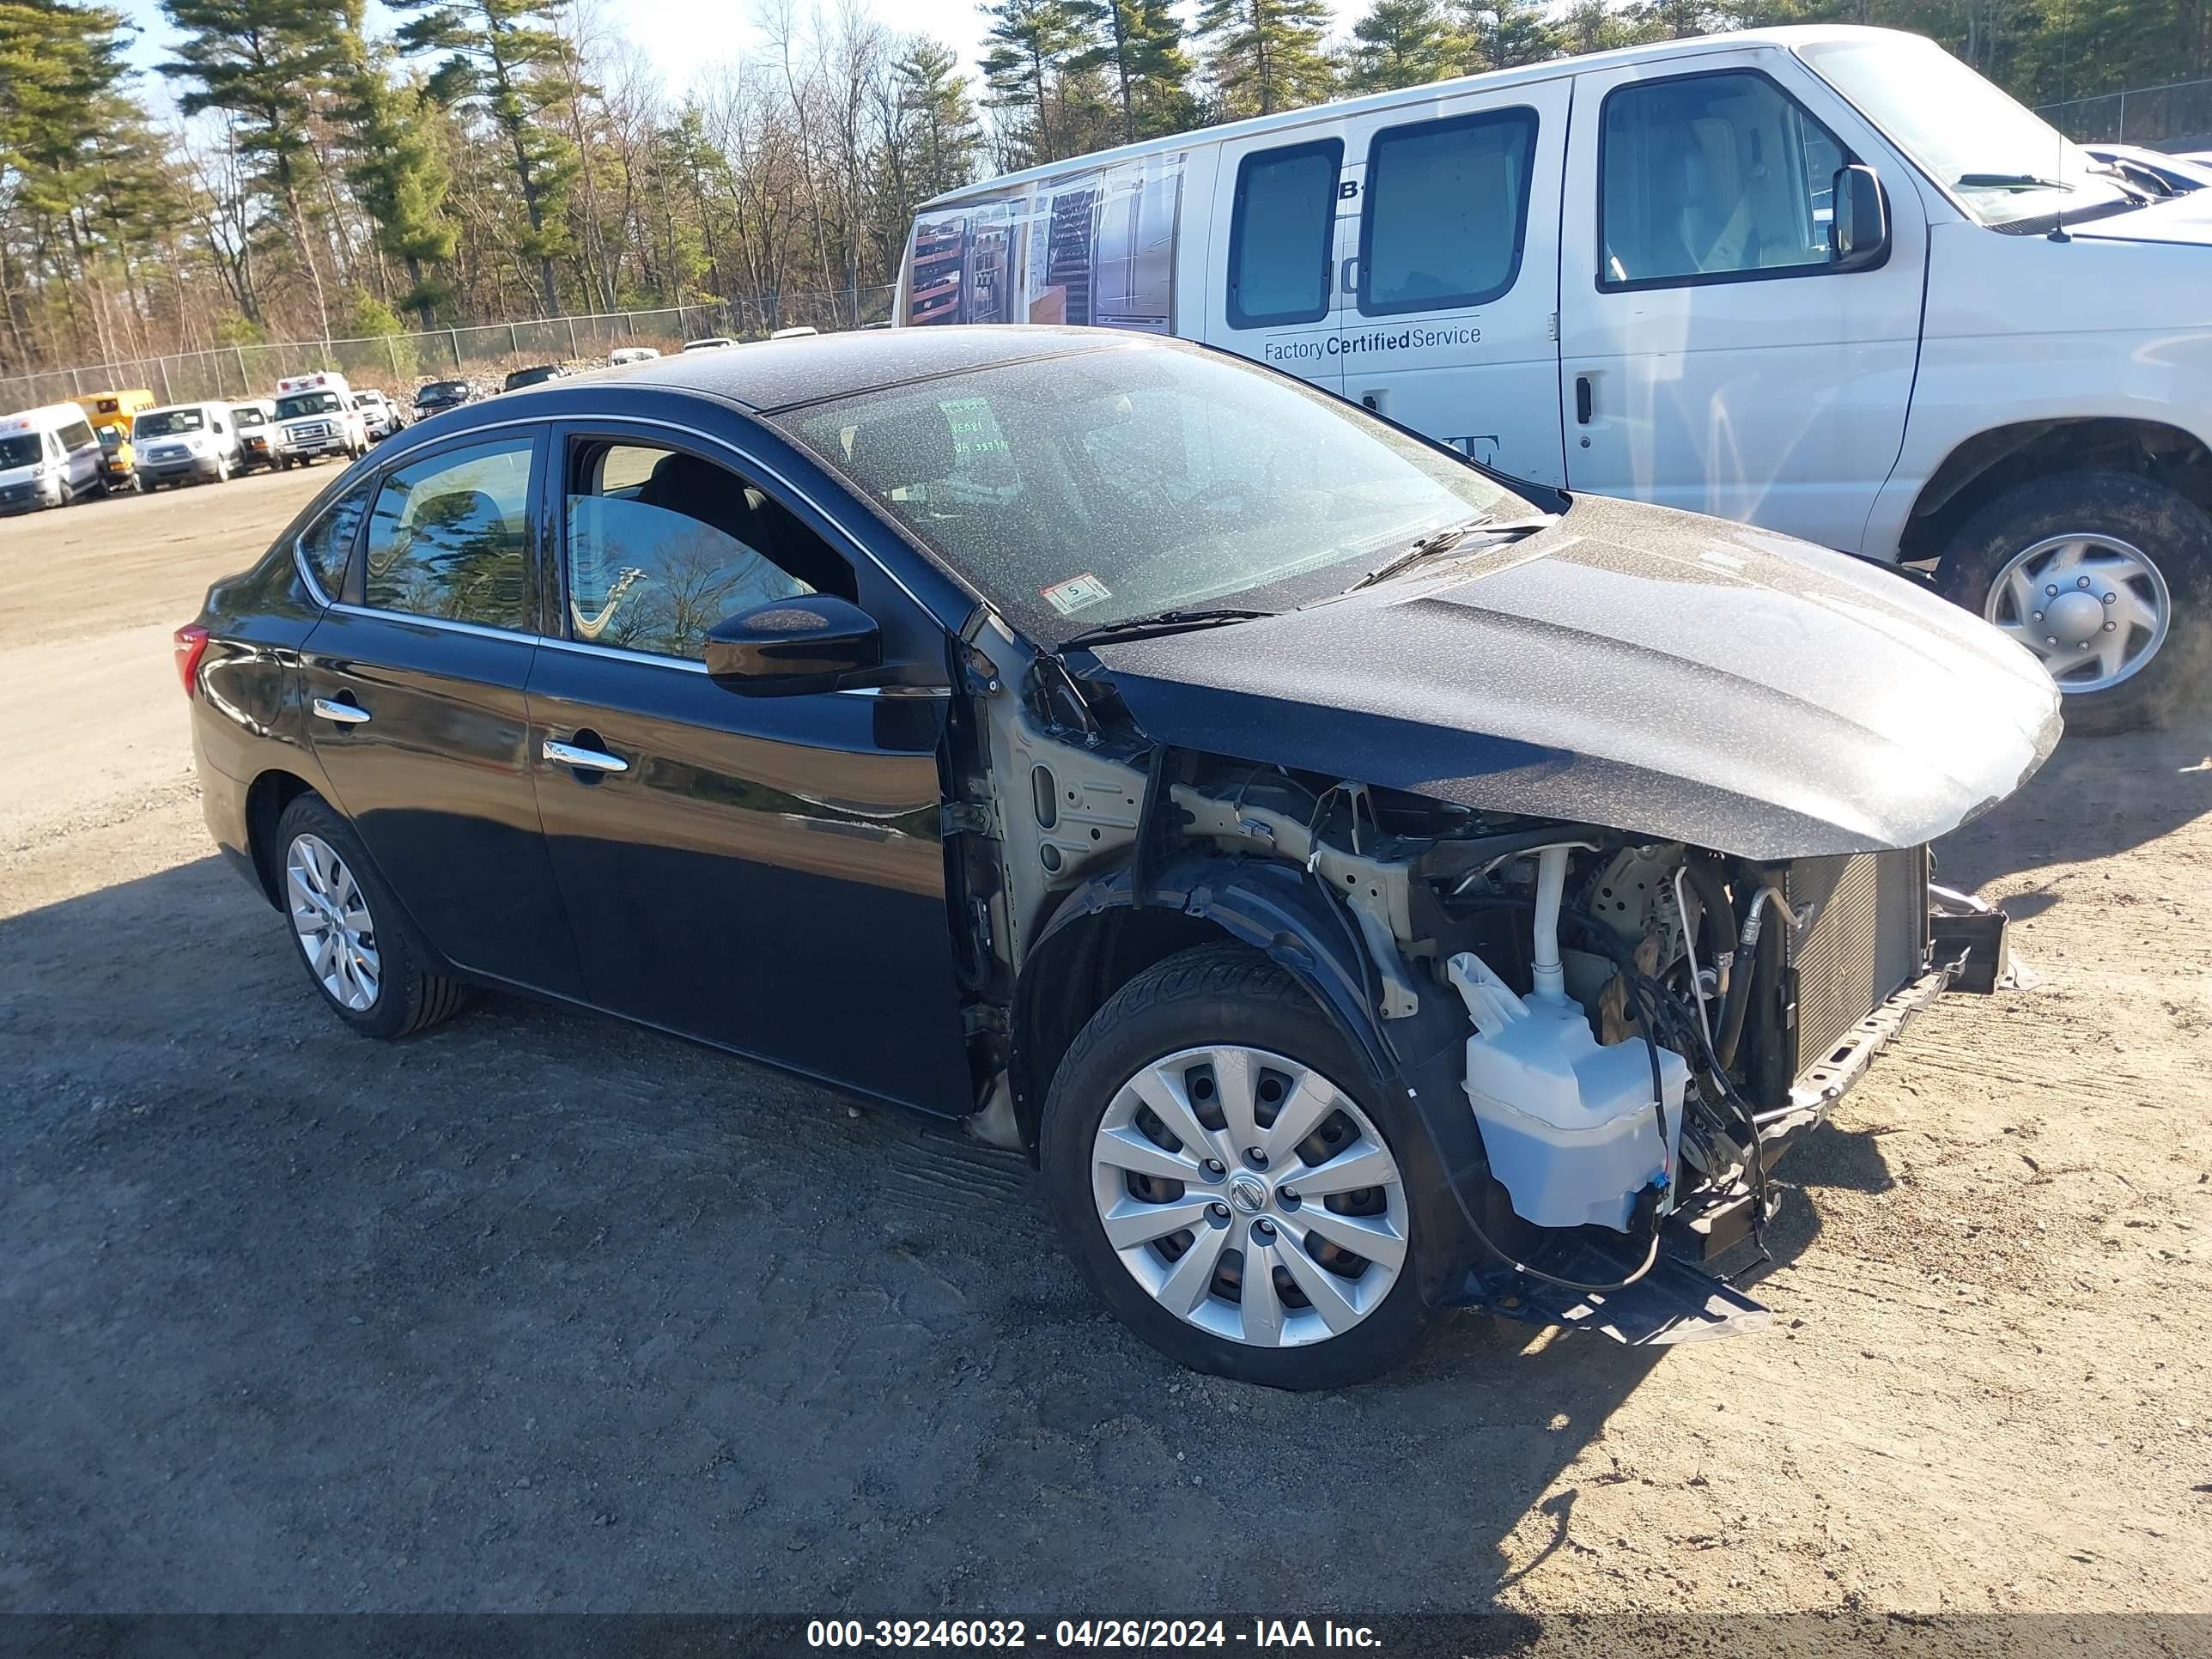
x=1447, y=210
x=77, y=434
x=449, y=537
x=1282, y=234
x=327, y=544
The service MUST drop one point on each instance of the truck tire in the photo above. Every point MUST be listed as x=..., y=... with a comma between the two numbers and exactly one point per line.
x=1167, y=1219
x=2107, y=578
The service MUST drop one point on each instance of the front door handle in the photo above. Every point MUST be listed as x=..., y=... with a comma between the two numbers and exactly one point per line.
x=1584, y=399
x=345, y=714
x=581, y=759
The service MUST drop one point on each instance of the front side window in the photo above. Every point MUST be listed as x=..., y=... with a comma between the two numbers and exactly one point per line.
x=1281, y=234
x=1446, y=209
x=327, y=544
x=449, y=537
x=663, y=544
x=1712, y=178
x=1107, y=485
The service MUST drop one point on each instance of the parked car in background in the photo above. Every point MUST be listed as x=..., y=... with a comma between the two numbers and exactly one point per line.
x=799, y=332
x=1806, y=278
x=1309, y=846
x=380, y=416
x=256, y=421
x=2161, y=174
x=538, y=374
x=110, y=414
x=185, y=443
x=316, y=416
x=48, y=457
x=622, y=354
x=435, y=397
x=709, y=343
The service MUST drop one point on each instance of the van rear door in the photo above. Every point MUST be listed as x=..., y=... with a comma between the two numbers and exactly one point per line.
x=1449, y=313
x=1271, y=282
x=1711, y=356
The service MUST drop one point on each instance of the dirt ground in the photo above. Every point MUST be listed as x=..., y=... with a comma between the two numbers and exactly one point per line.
x=542, y=1311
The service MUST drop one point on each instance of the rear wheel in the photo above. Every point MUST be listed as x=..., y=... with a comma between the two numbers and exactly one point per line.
x=358, y=950
x=2104, y=576
x=1228, y=1176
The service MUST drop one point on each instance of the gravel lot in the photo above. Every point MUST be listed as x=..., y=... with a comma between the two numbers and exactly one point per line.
x=541, y=1311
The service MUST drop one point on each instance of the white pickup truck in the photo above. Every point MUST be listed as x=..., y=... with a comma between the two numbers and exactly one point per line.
x=1825, y=280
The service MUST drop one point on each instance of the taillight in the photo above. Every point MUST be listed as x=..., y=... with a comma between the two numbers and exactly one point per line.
x=192, y=643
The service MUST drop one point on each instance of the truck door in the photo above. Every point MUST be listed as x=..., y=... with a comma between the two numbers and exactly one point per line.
x=1453, y=272
x=1271, y=290
x=1711, y=356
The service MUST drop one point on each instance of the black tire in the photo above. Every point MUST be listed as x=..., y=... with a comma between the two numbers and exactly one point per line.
x=1222, y=993
x=410, y=997
x=2166, y=528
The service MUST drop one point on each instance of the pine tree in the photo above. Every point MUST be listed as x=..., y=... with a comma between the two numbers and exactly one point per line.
x=265, y=63
x=503, y=58
x=1511, y=32
x=399, y=168
x=1405, y=43
x=1267, y=55
x=1138, y=45
x=935, y=135
x=1033, y=44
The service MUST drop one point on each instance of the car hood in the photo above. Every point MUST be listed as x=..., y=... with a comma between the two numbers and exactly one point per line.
x=1634, y=667
x=2185, y=219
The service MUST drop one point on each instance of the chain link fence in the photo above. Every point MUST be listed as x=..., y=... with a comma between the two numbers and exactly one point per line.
x=2177, y=116
x=400, y=363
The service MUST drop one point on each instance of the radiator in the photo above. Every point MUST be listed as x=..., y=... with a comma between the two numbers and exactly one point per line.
x=1868, y=937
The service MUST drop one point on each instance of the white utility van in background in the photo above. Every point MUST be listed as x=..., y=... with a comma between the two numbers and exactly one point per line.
x=315, y=416
x=48, y=457
x=1825, y=280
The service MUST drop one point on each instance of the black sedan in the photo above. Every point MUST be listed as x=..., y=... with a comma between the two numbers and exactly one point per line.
x=1363, y=885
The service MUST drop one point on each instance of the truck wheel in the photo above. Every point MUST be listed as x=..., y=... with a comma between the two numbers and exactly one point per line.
x=1231, y=1180
x=2107, y=578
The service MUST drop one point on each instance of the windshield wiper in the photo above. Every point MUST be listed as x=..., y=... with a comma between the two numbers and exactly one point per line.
x=1443, y=540
x=2007, y=181
x=1161, y=621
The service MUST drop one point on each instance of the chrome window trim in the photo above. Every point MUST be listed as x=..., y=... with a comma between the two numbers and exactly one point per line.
x=307, y=571
x=450, y=625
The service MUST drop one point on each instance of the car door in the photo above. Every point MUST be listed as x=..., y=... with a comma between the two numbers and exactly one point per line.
x=414, y=688
x=1447, y=319
x=763, y=872
x=1712, y=356
x=1272, y=293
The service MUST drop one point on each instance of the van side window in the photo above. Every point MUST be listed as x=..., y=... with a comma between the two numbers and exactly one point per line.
x=1447, y=209
x=663, y=544
x=76, y=435
x=1712, y=178
x=1282, y=235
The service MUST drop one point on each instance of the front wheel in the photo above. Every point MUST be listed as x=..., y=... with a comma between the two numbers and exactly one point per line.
x=1230, y=1179
x=2104, y=576
x=360, y=955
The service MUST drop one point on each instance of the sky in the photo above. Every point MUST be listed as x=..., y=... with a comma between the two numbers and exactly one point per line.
x=683, y=36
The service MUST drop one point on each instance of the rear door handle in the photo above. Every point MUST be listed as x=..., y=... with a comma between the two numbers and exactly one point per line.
x=1584, y=399
x=582, y=759
x=345, y=714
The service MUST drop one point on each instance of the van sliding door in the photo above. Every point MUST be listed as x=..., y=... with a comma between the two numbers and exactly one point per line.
x=1447, y=320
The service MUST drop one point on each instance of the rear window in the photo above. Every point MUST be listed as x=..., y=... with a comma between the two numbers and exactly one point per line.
x=1281, y=234
x=327, y=544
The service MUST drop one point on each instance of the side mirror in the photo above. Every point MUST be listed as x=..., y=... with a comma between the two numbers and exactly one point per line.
x=790, y=647
x=1858, y=229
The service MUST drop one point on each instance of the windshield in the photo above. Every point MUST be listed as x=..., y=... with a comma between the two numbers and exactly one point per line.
x=22, y=449
x=1093, y=488
x=249, y=415
x=159, y=422
x=2005, y=163
x=523, y=377
x=438, y=389
x=307, y=403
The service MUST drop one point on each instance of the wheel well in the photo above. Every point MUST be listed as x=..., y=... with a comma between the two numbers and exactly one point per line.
x=1070, y=977
x=1990, y=463
x=265, y=801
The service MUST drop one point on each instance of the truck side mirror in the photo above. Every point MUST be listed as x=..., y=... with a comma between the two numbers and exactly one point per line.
x=1858, y=226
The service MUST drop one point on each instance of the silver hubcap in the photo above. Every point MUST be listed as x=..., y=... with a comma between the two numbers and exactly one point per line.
x=332, y=919
x=2095, y=609
x=1249, y=1196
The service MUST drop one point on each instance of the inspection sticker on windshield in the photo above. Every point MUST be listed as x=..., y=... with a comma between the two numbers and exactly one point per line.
x=1071, y=596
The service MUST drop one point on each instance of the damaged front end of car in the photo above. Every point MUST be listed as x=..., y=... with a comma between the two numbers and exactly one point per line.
x=1609, y=1032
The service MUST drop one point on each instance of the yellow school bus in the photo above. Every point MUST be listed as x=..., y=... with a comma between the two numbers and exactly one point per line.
x=110, y=413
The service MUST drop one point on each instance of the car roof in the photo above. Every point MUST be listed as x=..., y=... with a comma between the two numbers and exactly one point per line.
x=777, y=375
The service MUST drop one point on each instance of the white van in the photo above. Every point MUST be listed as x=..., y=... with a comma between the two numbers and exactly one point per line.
x=181, y=443
x=1826, y=280
x=316, y=416
x=48, y=457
